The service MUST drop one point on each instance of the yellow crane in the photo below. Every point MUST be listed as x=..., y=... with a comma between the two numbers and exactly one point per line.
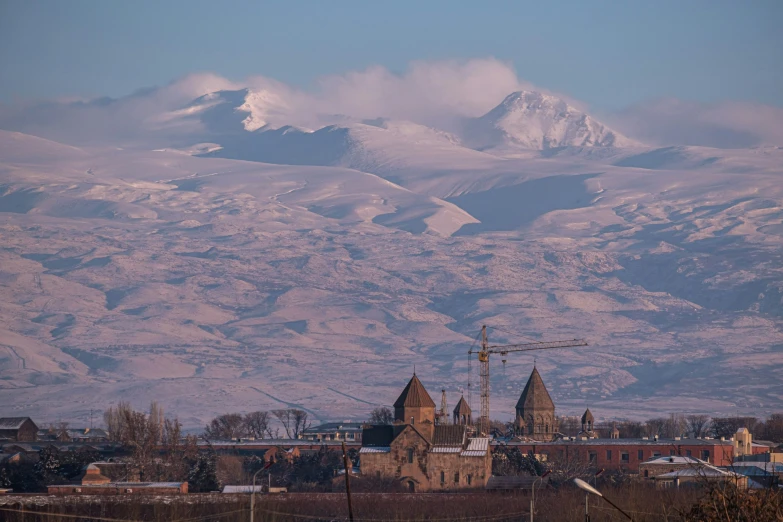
x=487, y=349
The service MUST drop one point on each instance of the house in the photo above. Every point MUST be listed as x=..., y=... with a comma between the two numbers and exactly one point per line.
x=12, y=458
x=700, y=475
x=660, y=465
x=347, y=431
x=91, y=476
x=421, y=455
x=18, y=429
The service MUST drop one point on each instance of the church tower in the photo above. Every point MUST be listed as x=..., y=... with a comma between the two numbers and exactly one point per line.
x=535, y=411
x=415, y=406
x=462, y=413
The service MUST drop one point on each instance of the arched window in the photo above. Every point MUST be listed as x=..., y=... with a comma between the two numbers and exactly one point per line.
x=411, y=486
x=410, y=455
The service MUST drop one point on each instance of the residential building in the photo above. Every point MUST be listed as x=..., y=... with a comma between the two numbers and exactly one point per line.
x=18, y=429
x=347, y=431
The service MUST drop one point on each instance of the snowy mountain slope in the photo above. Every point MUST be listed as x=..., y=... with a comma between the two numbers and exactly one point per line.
x=214, y=284
x=228, y=112
x=536, y=121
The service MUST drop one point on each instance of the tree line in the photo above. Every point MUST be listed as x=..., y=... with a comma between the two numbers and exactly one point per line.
x=677, y=425
x=258, y=425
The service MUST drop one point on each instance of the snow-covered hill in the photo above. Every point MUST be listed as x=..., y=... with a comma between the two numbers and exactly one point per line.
x=216, y=284
x=530, y=120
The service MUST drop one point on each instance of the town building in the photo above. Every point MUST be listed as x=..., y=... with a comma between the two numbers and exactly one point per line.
x=655, y=466
x=535, y=411
x=698, y=476
x=347, y=431
x=18, y=429
x=421, y=455
x=629, y=454
x=91, y=476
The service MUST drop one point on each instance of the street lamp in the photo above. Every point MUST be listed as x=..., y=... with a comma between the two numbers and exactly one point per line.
x=590, y=489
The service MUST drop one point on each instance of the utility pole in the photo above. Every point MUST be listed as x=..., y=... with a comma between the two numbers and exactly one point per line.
x=348, y=467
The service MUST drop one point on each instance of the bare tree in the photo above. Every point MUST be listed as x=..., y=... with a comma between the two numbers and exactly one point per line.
x=674, y=426
x=294, y=421
x=632, y=429
x=228, y=426
x=698, y=424
x=728, y=426
x=381, y=415
x=569, y=426
x=257, y=424
x=138, y=431
x=654, y=427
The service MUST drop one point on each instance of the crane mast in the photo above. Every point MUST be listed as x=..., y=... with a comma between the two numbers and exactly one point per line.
x=503, y=349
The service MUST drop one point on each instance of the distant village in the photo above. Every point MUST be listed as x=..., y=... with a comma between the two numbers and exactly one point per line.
x=413, y=446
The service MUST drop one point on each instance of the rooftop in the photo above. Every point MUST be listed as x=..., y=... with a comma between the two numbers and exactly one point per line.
x=12, y=423
x=414, y=396
x=335, y=426
x=535, y=394
x=625, y=442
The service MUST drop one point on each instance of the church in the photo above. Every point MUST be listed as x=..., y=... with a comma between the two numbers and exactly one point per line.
x=535, y=411
x=423, y=455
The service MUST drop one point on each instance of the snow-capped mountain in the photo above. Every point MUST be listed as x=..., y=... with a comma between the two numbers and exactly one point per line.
x=533, y=120
x=230, y=112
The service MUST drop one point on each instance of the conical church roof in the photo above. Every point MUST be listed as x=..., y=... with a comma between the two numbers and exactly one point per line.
x=535, y=396
x=462, y=407
x=587, y=416
x=414, y=396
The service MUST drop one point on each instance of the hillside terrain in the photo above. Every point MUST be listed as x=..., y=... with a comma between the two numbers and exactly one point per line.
x=248, y=265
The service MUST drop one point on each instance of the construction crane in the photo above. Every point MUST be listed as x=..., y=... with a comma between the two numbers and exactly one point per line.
x=487, y=349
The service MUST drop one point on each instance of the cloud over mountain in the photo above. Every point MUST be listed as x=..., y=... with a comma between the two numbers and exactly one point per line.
x=440, y=94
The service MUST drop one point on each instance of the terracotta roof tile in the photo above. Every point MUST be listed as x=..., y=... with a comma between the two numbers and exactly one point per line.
x=535, y=395
x=414, y=396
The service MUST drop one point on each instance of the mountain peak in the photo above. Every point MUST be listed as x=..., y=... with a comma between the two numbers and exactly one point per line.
x=538, y=121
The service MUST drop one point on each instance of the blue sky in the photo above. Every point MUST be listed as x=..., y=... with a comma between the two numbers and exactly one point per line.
x=608, y=54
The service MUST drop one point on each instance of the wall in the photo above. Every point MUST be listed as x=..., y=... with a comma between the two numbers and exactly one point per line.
x=720, y=455
x=479, y=468
x=71, y=489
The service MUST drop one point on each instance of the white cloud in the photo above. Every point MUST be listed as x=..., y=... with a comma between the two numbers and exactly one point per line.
x=722, y=125
x=435, y=93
